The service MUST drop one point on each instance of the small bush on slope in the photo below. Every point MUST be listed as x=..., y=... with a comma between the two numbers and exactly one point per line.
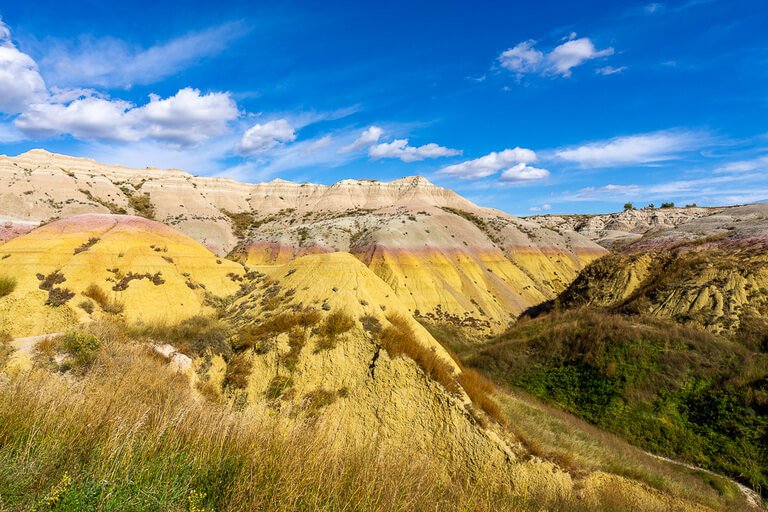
x=677, y=391
x=191, y=336
x=7, y=285
x=98, y=295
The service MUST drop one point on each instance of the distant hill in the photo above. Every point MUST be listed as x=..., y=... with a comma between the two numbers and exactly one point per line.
x=613, y=230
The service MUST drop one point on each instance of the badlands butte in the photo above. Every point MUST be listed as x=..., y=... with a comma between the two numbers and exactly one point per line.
x=172, y=342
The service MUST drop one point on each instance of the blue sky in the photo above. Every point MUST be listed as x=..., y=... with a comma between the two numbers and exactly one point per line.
x=530, y=107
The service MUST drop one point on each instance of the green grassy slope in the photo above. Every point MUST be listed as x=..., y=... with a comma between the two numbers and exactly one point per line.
x=677, y=391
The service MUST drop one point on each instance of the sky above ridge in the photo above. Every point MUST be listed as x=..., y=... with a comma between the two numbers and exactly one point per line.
x=529, y=107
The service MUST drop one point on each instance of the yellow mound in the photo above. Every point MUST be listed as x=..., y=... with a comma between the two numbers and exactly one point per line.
x=367, y=393
x=154, y=272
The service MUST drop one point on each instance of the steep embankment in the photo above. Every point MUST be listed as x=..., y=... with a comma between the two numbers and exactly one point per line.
x=80, y=267
x=710, y=272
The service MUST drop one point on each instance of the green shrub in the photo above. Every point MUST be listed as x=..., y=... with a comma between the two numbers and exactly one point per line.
x=86, y=306
x=677, y=391
x=142, y=204
x=87, y=245
x=58, y=296
x=83, y=347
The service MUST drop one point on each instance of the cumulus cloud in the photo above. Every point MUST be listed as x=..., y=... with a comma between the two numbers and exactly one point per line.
x=111, y=62
x=263, y=137
x=524, y=58
x=399, y=148
x=489, y=164
x=635, y=149
x=521, y=173
x=574, y=53
x=20, y=79
x=186, y=118
x=370, y=136
x=543, y=208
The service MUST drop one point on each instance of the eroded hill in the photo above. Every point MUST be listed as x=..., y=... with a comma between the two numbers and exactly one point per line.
x=87, y=265
x=711, y=272
x=447, y=259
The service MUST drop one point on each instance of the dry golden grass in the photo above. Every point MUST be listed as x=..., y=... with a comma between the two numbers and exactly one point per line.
x=7, y=285
x=479, y=390
x=99, y=296
x=398, y=339
x=128, y=433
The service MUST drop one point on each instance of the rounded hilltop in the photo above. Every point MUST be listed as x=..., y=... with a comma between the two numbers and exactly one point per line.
x=148, y=269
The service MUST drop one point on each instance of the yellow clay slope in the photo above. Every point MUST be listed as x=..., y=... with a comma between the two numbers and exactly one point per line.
x=156, y=273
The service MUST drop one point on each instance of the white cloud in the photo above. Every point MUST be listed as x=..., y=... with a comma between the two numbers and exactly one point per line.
x=610, y=70
x=525, y=58
x=370, y=136
x=489, y=164
x=186, y=118
x=543, y=208
x=20, y=79
x=632, y=150
x=574, y=53
x=111, y=62
x=263, y=137
x=399, y=148
x=523, y=172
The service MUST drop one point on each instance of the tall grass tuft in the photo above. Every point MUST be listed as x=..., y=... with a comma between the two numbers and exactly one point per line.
x=7, y=285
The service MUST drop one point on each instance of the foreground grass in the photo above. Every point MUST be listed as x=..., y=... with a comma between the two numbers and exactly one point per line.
x=120, y=431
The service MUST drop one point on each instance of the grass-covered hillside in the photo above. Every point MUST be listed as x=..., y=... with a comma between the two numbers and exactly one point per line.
x=676, y=391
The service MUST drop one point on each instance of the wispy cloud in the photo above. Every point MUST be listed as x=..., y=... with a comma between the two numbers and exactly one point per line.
x=368, y=137
x=110, y=62
x=610, y=70
x=642, y=149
